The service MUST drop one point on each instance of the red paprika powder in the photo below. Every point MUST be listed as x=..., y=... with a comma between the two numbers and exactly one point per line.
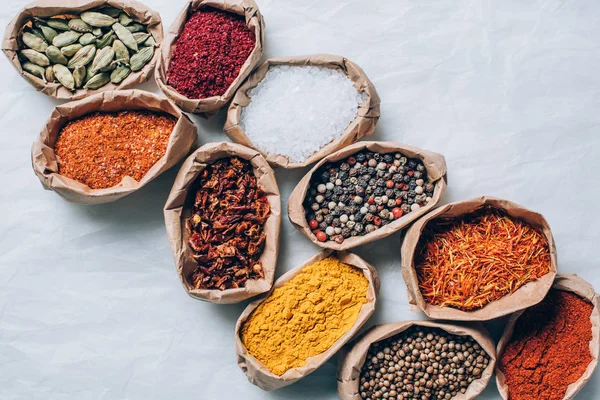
x=549, y=349
x=209, y=53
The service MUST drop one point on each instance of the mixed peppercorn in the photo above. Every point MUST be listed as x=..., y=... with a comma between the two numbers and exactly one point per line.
x=359, y=194
x=226, y=233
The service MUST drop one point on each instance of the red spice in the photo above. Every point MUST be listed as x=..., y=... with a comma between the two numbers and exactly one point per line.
x=100, y=149
x=209, y=53
x=549, y=349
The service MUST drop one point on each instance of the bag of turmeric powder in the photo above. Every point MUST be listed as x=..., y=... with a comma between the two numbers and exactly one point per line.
x=340, y=285
x=568, y=283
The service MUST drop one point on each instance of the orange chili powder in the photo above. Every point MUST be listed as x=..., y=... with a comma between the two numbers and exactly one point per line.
x=100, y=149
x=549, y=349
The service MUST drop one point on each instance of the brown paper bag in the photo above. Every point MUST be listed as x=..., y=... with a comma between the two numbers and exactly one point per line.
x=211, y=105
x=363, y=125
x=178, y=210
x=47, y=8
x=44, y=160
x=351, y=364
x=258, y=373
x=436, y=173
x=526, y=296
x=570, y=283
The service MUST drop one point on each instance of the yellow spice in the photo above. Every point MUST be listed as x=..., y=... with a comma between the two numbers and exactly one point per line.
x=305, y=316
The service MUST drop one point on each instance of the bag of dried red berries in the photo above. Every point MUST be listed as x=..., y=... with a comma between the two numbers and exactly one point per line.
x=211, y=47
x=108, y=145
x=223, y=219
x=365, y=192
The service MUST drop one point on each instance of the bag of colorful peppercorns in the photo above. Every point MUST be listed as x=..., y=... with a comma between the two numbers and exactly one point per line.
x=365, y=192
x=551, y=349
x=479, y=259
x=106, y=146
x=71, y=49
x=297, y=110
x=211, y=47
x=223, y=219
x=417, y=359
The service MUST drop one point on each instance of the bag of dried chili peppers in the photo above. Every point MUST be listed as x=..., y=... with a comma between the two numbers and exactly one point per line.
x=223, y=219
x=42, y=14
x=108, y=145
x=336, y=315
x=229, y=34
x=551, y=349
x=351, y=167
x=479, y=259
x=362, y=125
x=382, y=344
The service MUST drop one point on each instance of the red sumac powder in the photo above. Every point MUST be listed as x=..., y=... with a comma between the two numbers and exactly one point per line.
x=209, y=53
x=100, y=149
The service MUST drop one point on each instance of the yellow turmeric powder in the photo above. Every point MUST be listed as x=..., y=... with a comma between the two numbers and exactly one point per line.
x=305, y=316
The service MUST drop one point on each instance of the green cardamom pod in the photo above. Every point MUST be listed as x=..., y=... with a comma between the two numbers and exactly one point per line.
x=97, y=32
x=105, y=40
x=79, y=76
x=121, y=52
x=103, y=58
x=87, y=38
x=49, y=74
x=59, y=24
x=79, y=25
x=97, y=81
x=49, y=33
x=110, y=67
x=56, y=56
x=66, y=38
x=135, y=27
x=111, y=11
x=125, y=36
x=150, y=42
x=70, y=50
x=34, y=42
x=83, y=56
x=38, y=33
x=141, y=58
x=141, y=37
x=64, y=76
x=34, y=69
x=97, y=19
x=35, y=57
x=119, y=74
x=125, y=19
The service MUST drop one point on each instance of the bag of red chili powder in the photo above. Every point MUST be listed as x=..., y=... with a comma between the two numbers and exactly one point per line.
x=564, y=283
x=434, y=163
x=355, y=354
x=523, y=222
x=46, y=165
x=178, y=212
x=48, y=8
x=362, y=125
x=208, y=106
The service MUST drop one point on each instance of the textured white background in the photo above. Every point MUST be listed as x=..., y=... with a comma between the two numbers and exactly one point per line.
x=508, y=91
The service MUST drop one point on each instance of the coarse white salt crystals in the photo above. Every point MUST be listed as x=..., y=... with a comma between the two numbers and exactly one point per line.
x=296, y=110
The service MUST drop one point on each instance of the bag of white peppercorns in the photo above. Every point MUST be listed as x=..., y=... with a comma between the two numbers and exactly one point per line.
x=446, y=361
x=365, y=192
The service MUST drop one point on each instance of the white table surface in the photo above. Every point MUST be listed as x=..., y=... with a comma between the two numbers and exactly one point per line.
x=508, y=91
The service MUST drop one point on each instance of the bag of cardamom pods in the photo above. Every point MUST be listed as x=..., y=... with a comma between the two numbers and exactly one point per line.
x=563, y=329
x=70, y=49
x=310, y=313
x=203, y=86
x=456, y=360
x=223, y=218
x=365, y=192
x=478, y=259
x=108, y=145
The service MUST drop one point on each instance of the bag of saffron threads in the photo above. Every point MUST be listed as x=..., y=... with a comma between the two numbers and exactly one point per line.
x=229, y=34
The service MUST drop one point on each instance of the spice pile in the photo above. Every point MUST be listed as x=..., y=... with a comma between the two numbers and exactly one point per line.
x=100, y=149
x=296, y=110
x=209, y=53
x=421, y=363
x=87, y=50
x=226, y=227
x=305, y=316
x=549, y=349
x=469, y=262
x=359, y=194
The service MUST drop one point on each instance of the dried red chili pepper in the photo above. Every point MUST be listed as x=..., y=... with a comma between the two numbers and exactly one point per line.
x=226, y=232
